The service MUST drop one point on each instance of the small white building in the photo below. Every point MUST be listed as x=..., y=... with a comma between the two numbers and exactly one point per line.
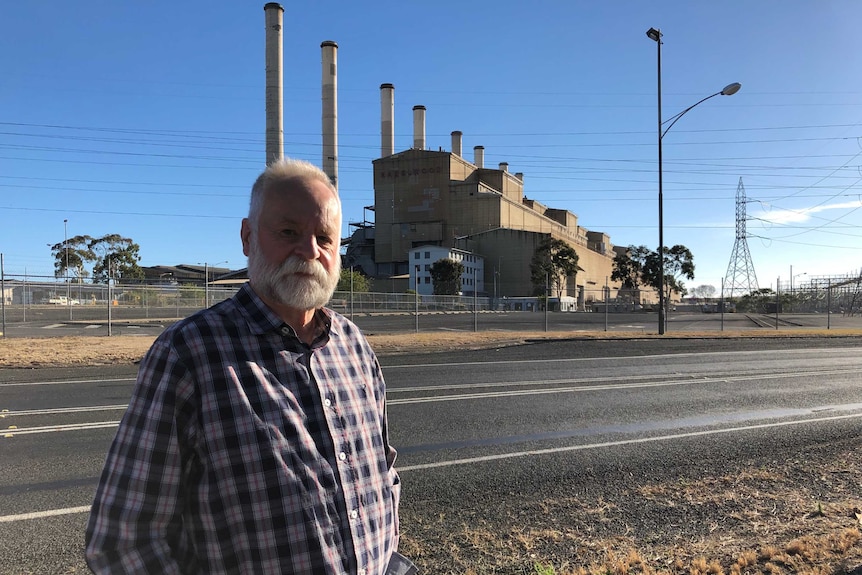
x=423, y=257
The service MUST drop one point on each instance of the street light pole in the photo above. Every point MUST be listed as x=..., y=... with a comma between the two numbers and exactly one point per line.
x=792, y=277
x=416, y=298
x=66, y=267
x=729, y=90
x=655, y=35
x=207, y=267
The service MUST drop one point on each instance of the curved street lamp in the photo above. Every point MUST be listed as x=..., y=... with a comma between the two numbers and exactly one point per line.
x=729, y=90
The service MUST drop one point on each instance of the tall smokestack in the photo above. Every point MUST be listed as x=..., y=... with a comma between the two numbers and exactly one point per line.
x=456, y=142
x=479, y=156
x=329, y=51
x=387, y=120
x=274, y=16
x=419, y=127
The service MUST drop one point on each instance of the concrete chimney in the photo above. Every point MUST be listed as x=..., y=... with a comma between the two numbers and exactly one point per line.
x=273, y=18
x=387, y=120
x=479, y=156
x=519, y=176
x=419, y=127
x=504, y=166
x=329, y=57
x=456, y=142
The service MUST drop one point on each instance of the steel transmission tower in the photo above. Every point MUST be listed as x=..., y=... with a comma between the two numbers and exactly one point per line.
x=740, y=277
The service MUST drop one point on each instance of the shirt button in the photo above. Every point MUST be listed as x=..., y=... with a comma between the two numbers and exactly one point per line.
x=354, y=514
x=327, y=402
x=342, y=456
x=361, y=572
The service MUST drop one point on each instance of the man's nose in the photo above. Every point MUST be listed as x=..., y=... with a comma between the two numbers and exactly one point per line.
x=308, y=248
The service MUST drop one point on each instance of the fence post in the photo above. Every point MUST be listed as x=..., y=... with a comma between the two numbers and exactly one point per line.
x=3, y=294
x=475, y=303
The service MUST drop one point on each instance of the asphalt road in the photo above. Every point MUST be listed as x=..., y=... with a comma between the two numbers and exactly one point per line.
x=476, y=431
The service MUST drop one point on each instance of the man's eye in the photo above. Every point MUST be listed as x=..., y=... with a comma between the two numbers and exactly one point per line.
x=288, y=232
x=324, y=240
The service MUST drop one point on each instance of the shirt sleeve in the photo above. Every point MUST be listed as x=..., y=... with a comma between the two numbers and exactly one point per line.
x=135, y=525
x=391, y=453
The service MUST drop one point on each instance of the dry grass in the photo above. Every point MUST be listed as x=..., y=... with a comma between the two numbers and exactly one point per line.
x=794, y=518
x=98, y=350
x=780, y=536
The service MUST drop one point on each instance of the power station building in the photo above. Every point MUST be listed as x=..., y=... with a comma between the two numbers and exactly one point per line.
x=438, y=198
x=433, y=198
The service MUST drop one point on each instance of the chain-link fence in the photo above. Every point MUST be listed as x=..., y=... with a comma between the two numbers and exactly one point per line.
x=808, y=305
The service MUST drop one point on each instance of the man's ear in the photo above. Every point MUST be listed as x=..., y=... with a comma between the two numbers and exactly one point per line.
x=245, y=235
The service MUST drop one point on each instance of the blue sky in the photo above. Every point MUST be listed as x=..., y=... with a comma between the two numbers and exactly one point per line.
x=146, y=119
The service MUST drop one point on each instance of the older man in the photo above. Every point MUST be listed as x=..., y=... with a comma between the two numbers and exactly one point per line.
x=256, y=438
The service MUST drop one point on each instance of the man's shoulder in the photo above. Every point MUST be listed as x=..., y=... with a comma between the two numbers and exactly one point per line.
x=213, y=322
x=345, y=328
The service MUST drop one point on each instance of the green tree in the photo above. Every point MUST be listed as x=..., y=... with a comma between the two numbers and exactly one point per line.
x=553, y=261
x=758, y=301
x=703, y=291
x=638, y=265
x=80, y=250
x=678, y=264
x=360, y=282
x=446, y=276
x=628, y=267
x=115, y=256
x=75, y=252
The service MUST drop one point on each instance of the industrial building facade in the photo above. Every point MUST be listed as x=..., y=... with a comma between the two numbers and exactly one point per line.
x=424, y=197
x=422, y=259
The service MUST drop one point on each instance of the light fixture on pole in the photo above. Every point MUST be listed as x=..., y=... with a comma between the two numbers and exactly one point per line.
x=729, y=90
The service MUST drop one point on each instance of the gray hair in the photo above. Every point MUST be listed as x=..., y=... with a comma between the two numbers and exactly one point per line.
x=280, y=173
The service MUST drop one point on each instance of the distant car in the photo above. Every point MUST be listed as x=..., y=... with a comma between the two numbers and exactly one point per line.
x=63, y=300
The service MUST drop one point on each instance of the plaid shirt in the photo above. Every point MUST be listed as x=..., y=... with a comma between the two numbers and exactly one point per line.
x=244, y=450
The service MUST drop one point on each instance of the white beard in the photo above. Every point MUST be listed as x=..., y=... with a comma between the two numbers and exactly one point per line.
x=283, y=284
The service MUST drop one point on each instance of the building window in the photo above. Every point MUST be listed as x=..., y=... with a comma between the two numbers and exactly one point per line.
x=427, y=267
x=427, y=255
x=427, y=280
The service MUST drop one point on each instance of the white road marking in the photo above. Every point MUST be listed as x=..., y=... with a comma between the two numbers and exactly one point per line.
x=59, y=410
x=40, y=514
x=818, y=352
x=65, y=381
x=483, y=459
x=634, y=441
x=14, y=432
x=686, y=381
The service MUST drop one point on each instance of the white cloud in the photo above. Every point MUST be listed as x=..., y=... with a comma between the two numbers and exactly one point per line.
x=804, y=214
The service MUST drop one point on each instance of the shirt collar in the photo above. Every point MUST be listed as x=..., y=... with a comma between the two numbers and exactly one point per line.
x=262, y=319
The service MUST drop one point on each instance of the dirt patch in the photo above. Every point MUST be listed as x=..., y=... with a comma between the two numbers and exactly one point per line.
x=99, y=350
x=91, y=350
